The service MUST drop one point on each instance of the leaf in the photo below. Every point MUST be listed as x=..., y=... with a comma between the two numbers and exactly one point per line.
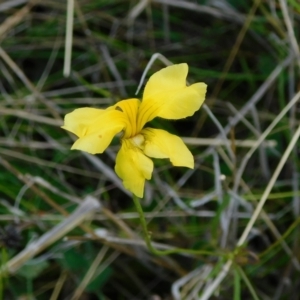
x=75, y=261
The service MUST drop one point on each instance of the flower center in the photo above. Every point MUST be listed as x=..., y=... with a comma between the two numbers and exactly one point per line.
x=138, y=141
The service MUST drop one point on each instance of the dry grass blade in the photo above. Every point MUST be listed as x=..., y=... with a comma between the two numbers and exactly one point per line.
x=69, y=38
x=17, y=17
x=84, y=210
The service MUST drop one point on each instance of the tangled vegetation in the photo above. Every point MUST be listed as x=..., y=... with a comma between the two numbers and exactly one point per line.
x=68, y=227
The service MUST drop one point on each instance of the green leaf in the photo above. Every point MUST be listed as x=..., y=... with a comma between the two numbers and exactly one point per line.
x=75, y=261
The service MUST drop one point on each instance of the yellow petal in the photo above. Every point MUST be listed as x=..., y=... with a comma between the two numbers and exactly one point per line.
x=133, y=167
x=130, y=108
x=181, y=103
x=80, y=119
x=94, y=127
x=162, y=144
x=166, y=79
x=166, y=95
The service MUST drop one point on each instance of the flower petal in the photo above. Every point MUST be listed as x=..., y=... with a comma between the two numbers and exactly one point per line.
x=130, y=108
x=181, y=103
x=166, y=95
x=133, y=167
x=166, y=79
x=79, y=119
x=162, y=144
x=94, y=127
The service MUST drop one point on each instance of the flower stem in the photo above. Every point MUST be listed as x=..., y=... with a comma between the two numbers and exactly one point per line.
x=138, y=206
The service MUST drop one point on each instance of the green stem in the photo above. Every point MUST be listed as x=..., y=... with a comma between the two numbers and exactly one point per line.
x=163, y=252
x=247, y=281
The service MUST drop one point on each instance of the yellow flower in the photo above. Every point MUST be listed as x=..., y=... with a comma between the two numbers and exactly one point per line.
x=167, y=96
